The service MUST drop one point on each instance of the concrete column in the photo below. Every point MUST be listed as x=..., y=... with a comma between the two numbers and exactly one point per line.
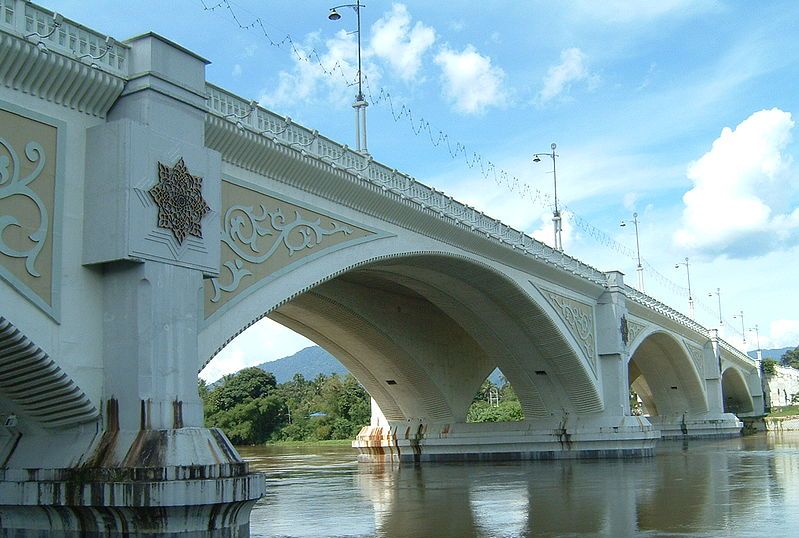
x=612, y=346
x=715, y=397
x=152, y=228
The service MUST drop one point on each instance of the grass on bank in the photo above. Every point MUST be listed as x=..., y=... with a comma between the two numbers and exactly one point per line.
x=301, y=444
x=789, y=411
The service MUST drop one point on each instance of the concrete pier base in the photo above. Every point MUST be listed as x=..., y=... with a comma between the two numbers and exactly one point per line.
x=724, y=425
x=149, y=497
x=202, y=501
x=620, y=437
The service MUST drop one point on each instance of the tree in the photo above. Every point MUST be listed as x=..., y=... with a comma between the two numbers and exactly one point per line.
x=769, y=366
x=791, y=358
x=247, y=384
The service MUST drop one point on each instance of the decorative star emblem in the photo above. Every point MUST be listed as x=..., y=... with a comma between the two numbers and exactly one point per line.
x=180, y=201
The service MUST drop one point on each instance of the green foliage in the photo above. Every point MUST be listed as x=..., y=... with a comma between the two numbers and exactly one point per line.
x=791, y=358
x=769, y=366
x=250, y=407
x=485, y=408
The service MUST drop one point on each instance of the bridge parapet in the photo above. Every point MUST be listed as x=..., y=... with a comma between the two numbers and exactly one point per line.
x=71, y=39
x=645, y=300
x=362, y=168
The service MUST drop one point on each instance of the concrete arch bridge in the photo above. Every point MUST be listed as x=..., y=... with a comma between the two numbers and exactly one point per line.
x=147, y=217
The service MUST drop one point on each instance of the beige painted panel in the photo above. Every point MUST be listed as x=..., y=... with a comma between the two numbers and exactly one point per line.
x=27, y=201
x=263, y=235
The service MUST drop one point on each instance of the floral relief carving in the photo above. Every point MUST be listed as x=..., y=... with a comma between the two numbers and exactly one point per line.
x=579, y=318
x=181, y=206
x=244, y=230
x=633, y=330
x=698, y=356
x=12, y=184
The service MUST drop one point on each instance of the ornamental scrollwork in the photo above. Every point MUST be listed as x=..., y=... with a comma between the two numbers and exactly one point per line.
x=698, y=356
x=578, y=318
x=244, y=230
x=11, y=184
x=633, y=330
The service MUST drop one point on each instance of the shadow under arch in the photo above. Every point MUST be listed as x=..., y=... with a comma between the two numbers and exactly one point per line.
x=735, y=392
x=422, y=330
x=663, y=375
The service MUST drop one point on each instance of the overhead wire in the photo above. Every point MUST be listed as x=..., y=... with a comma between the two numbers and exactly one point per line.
x=439, y=138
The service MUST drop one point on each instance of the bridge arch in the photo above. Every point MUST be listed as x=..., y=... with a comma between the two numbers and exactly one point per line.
x=735, y=393
x=661, y=372
x=421, y=330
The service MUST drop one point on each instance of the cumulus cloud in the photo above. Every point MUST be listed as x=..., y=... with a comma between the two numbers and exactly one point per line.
x=399, y=44
x=308, y=78
x=263, y=342
x=470, y=82
x=737, y=206
x=572, y=68
x=546, y=231
x=783, y=333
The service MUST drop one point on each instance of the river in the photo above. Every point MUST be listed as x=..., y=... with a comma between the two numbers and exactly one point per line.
x=739, y=487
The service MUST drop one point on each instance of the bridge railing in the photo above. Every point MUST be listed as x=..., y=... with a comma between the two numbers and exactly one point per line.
x=68, y=38
x=737, y=354
x=669, y=312
x=247, y=115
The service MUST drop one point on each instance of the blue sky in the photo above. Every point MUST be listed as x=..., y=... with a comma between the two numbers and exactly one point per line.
x=683, y=111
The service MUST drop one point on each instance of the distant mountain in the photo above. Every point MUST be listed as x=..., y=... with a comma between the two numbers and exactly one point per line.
x=775, y=354
x=312, y=361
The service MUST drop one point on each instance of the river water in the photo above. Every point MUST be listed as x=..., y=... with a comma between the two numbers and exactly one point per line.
x=740, y=487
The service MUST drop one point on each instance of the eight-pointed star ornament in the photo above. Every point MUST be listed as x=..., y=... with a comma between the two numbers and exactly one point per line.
x=181, y=205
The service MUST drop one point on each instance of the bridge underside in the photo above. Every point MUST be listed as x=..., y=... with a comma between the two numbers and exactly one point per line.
x=421, y=333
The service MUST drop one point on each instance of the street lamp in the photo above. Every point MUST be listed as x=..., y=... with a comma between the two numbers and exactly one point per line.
x=640, y=268
x=757, y=336
x=718, y=294
x=743, y=330
x=690, y=296
x=360, y=103
x=556, y=220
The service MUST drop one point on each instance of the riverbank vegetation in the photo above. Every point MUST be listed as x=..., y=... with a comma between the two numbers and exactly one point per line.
x=252, y=408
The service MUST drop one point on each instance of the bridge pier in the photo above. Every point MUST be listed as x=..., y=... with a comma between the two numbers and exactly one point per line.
x=146, y=465
x=586, y=437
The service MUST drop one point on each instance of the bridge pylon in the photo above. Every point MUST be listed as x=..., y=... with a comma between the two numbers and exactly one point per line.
x=146, y=465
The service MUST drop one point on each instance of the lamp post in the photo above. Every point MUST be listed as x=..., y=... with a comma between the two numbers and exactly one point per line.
x=718, y=294
x=639, y=268
x=757, y=337
x=743, y=330
x=556, y=220
x=360, y=103
x=690, y=296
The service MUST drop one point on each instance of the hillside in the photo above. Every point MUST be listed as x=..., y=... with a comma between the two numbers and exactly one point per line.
x=312, y=361
x=775, y=354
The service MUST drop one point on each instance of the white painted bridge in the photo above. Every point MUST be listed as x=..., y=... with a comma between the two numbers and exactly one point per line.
x=147, y=217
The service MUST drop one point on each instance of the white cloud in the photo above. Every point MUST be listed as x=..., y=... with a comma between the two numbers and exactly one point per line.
x=546, y=232
x=236, y=70
x=309, y=77
x=470, y=82
x=740, y=189
x=263, y=342
x=572, y=68
x=783, y=333
x=394, y=41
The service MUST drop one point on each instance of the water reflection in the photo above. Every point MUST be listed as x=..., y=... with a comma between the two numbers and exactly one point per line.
x=739, y=487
